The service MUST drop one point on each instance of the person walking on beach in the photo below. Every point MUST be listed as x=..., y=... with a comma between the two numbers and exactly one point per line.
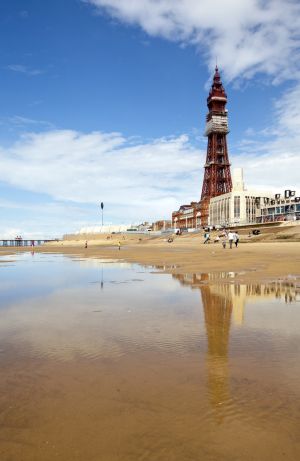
x=206, y=237
x=119, y=245
x=236, y=239
x=86, y=244
x=230, y=238
x=224, y=241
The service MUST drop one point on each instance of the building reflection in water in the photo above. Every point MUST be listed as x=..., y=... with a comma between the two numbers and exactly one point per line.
x=224, y=303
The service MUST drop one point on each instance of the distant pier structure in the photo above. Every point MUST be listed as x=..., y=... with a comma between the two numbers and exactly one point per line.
x=19, y=242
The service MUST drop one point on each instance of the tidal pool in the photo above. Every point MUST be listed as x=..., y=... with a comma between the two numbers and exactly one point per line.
x=108, y=361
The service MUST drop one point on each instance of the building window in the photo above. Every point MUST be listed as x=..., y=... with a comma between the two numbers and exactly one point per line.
x=237, y=207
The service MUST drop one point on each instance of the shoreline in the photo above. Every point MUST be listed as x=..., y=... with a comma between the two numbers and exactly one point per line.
x=255, y=261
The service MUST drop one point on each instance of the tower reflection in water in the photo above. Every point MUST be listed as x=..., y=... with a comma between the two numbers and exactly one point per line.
x=223, y=304
x=217, y=314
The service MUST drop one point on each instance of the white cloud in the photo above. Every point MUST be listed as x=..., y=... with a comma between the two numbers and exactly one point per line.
x=247, y=36
x=20, y=122
x=24, y=14
x=24, y=70
x=136, y=181
x=273, y=159
x=288, y=115
x=41, y=218
x=270, y=171
x=10, y=233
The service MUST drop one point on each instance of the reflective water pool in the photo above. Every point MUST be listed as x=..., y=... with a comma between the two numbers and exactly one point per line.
x=103, y=360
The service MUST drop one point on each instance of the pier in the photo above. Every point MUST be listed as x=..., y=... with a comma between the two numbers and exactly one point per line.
x=18, y=242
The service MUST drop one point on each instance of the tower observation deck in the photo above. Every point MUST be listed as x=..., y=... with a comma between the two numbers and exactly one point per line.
x=217, y=176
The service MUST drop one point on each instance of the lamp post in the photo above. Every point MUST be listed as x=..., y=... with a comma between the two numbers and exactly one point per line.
x=102, y=206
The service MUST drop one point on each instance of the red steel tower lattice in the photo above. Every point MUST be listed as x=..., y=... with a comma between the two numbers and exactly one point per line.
x=217, y=176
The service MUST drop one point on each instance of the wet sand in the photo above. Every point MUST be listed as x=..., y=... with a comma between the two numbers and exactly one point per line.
x=147, y=367
x=188, y=255
x=146, y=407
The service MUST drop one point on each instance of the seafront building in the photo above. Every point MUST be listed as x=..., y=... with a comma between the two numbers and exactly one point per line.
x=187, y=217
x=243, y=206
x=281, y=207
x=145, y=227
x=238, y=207
x=162, y=225
x=106, y=229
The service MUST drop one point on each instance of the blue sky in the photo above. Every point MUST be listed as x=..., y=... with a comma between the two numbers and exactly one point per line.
x=105, y=100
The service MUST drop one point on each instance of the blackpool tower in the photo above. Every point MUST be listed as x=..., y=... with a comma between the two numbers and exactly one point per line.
x=217, y=177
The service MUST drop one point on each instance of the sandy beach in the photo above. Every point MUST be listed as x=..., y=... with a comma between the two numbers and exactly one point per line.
x=259, y=258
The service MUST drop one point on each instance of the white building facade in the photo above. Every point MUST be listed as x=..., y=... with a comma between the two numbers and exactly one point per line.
x=282, y=207
x=106, y=229
x=238, y=207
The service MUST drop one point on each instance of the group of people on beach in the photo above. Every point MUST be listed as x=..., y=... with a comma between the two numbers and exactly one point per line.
x=232, y=237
